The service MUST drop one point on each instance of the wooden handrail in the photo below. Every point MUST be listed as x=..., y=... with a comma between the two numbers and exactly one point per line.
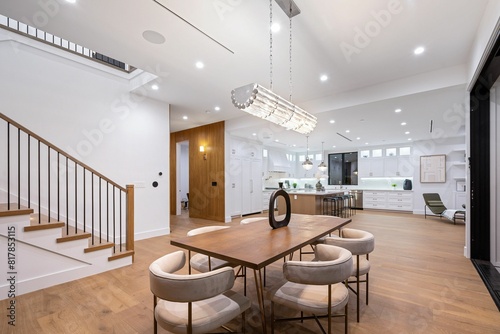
x=57, y=149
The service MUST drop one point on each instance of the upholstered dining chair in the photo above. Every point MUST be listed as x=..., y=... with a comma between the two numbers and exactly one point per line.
x=316, y=287
x=197, y=303
x=360, y=244
x=204, y=263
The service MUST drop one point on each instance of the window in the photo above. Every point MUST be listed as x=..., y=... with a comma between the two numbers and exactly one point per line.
x=377, y=153
x=390, y=152
x=365, y=154
x=405, y=150
x=343, y=168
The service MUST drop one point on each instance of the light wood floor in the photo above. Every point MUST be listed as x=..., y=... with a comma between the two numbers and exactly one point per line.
x=420, y=283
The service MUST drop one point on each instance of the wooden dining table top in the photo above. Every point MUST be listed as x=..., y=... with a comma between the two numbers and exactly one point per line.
x=257, y=245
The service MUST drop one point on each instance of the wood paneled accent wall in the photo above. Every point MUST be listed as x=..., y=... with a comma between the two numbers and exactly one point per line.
x=206, y=177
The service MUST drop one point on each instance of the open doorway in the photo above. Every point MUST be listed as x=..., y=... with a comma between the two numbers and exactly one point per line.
x=182, y=177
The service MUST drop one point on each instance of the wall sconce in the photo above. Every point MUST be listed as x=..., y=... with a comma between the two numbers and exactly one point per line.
x=202, y=150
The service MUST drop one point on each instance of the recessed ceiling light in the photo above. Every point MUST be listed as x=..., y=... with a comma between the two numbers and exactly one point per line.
x=254, y=134
x=155, y=87
x=332, y=121
x=277, y=140
x=199, y=64
x=217, y=108
x=153, y=37
x=323, y=78
x=403, y=124
x=419, y=50
x=358, y=138
x=334, y=146
x=407, y=132
x=71, y=1
x=184, y=117
x=397, y=110
x=275, y=27
x=347, y=131
x=366, y=143
x=294, y=145
x=409, y=138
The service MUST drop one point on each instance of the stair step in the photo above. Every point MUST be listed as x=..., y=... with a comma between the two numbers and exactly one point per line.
x=122, y=254
x=43, y=224
x=72, y=235
x=98, y=245
x=14, y=210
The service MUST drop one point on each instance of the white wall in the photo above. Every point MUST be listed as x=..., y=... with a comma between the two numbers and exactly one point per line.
x=91, y=115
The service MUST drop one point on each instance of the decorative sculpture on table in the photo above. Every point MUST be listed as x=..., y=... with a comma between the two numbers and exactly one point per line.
x=272, y=219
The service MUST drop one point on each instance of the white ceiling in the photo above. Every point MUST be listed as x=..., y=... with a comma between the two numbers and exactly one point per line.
x=231, y=37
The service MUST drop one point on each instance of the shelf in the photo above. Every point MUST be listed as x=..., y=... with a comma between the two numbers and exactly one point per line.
x=459, y=178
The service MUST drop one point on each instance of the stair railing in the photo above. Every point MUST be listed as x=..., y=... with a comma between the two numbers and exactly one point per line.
x=66, y=189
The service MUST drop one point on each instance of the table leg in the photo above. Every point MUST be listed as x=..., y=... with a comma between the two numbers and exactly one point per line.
x=260, y=296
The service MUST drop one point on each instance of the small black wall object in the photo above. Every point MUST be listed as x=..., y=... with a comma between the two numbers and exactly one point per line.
x=407, y=185
x=272, y=219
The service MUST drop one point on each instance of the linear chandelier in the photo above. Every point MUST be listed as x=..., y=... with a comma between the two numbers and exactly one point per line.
x=261, y=102
x=264, y=103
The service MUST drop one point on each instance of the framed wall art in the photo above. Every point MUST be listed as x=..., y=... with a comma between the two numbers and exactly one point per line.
x=433, y=168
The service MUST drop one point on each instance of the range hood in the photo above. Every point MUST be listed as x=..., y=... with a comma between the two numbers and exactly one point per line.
x=277, y=162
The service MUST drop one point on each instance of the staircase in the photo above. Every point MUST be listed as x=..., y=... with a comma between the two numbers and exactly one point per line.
x=60, y=220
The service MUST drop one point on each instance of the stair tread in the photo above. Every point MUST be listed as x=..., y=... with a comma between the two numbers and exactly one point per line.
x=98, y=244
x=14, y=210
x=122, y=254
x=71, y=234
x=44, y=223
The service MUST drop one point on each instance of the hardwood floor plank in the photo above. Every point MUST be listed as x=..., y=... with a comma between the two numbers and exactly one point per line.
x=420, y=282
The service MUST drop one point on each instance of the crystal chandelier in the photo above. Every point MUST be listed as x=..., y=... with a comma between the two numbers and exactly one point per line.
x=264, y=103
x=307, y=164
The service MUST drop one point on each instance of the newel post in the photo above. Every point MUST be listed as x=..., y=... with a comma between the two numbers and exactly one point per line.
x=130, y=217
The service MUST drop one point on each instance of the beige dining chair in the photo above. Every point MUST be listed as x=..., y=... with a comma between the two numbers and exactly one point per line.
x=360, y=244
x=198, y=303
x=316, y=287
x=204, y=263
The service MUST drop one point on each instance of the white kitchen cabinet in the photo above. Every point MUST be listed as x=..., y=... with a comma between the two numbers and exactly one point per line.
x=371, y=167
x=374, y=199
x=251, y=186
x=400, y=200
x=388, y=200
x=235, y=191
x=398, y=166
x=245, y=177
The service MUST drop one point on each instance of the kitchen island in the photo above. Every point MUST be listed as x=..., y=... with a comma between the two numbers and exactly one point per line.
x=308, y=202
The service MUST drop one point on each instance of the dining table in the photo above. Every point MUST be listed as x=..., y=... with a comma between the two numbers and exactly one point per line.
x=257, y=245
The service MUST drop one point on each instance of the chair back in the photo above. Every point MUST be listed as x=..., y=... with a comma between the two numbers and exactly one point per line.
x=205, y=229
x=252, y=220
x=358, y=242
x=167, y=285
x=333, y=265
x=434, y=202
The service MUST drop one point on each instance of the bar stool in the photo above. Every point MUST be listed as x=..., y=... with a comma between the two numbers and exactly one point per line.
x=328, y=206
x=339, y=209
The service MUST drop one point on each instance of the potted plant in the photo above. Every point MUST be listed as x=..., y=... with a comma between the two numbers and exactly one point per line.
x=394, y=186
x=294, y=185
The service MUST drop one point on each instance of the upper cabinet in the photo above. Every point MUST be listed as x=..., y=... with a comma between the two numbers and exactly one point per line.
x=245, y=149
x=389, y=162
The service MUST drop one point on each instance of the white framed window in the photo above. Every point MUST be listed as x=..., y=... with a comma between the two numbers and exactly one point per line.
x=377, y=153
x=405, y=150
x=390, y=152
